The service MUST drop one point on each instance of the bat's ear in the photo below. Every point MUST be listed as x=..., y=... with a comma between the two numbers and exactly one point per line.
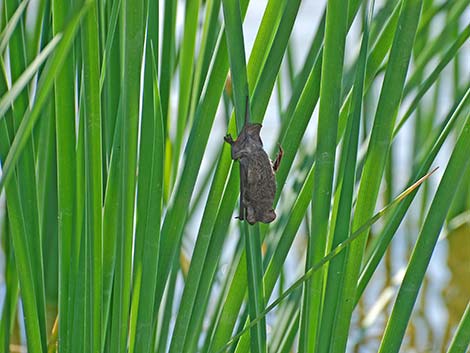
x=256, y=133
x=253, y=131
x=255, y=128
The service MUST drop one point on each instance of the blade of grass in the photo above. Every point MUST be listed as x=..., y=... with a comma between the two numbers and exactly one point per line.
x=264, y=38
x=421, y=255
x=431, y=79
x=38, y=27
x=44, y=87
x=395, y=219
x=173, y=223
x=378, y=52
x=168, y=302
x=76, y=306
x=186, y=71
x=196, y=202
x=149, y=201
x=306, y=75
x=303, y=102
x=11, y=280
x=429, y=15
x=217, y=237
x=295, y=129
x=25, y=169
x=328, y=257
x=302, y=77
x=255, y=287
x=290, y=65
x=78, y=309
x=206, y=50
x=112, y=141
x=112, y=83
x=288, y=234
x=116, y=6
x=46, y=169
x=461, y=339
x=287, y=326
x=390, y=97
x=231, y=308
x=345, y=199
x=183, y=325
x=236, y=56
x=22, y=258
x=16, y=89
x=66, y=173
x=132, y=32
x=112, y=205
x=434, y=47
x=11, y=25
x=175, y=218
x=93, y=172
x=220, y=300
x=168, y=56
x=330, y=95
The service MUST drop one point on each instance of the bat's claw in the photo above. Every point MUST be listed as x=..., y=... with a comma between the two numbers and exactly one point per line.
x=278, y=159
x=228, y=138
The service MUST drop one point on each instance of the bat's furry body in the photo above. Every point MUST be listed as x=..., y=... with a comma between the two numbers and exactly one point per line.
x=257, y=180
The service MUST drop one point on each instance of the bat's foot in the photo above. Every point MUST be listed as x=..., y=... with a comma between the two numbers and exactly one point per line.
x=268, y=216
x=228, y=138
x=252, y=219
x=278, y=159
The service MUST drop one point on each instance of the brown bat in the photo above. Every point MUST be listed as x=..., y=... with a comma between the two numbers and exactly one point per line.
x=257, y=181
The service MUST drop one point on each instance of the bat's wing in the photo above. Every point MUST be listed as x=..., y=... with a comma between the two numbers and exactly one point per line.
x=243, y=188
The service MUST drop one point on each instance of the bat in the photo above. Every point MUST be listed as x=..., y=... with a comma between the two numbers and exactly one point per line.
x=257, y=179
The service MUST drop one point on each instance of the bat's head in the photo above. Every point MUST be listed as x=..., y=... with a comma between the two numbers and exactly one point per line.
x=250, y=135
x=248, y=141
